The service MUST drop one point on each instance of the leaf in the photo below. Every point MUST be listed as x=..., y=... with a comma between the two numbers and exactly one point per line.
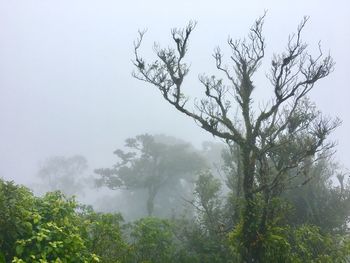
x=2, y=257
x=19, y=249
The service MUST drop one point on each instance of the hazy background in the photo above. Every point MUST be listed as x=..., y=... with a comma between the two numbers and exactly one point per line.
x=65, y=71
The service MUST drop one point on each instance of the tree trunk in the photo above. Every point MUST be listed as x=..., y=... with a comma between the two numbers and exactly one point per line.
x=152, y=192
x=250, y=216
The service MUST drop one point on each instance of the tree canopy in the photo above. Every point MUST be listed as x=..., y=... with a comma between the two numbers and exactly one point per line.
x=151, y=165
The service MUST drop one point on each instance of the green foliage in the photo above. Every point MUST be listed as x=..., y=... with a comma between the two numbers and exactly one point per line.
x=56, y=233
x=311, y=245
x=319, y=202
x=203, y=239
x=280, y=242
x=274, y=245
x=208, y=204
x=104, y=236
x=152, y=240
x=198, y=245
x=16, y=213
x=304, y=244
x=54, y=228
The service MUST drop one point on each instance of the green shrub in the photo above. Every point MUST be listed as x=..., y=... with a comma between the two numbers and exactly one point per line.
x=152, y=241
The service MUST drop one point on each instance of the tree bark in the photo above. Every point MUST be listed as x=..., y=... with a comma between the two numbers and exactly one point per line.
x=152, y=192
x=249, y=230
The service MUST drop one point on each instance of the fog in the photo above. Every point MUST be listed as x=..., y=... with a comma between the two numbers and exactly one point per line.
x=65, y=71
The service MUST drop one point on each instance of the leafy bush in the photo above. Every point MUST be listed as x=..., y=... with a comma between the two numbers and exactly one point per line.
x=54, y=228
x=152, y=240
x=104, y=236
x=56, y=233
x=311, y=245
x=16, y=215
x=303, y=244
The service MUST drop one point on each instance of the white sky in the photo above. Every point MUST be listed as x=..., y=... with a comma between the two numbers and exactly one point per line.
x=65, y=70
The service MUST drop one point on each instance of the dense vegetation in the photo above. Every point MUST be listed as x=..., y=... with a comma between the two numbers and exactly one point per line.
x=310, y=224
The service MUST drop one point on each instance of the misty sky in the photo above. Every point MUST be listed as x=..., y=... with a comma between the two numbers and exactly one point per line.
x=65, y=70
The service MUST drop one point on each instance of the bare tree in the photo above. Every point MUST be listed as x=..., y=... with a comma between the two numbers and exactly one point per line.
x=288, y=133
